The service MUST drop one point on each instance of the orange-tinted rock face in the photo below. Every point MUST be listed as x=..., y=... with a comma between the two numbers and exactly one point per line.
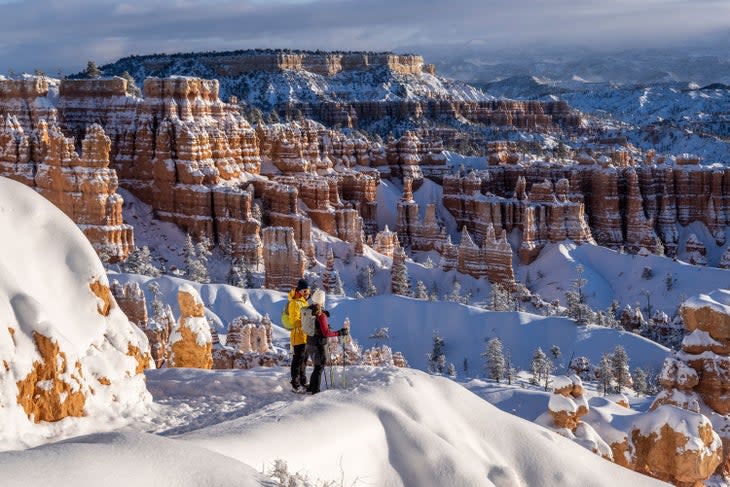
x=567, y=405
x=52, y=391
x=493, y=260
x=686, y=456
x=191, y=340
x=284, y=262
x=84, y=186
x=618, y=205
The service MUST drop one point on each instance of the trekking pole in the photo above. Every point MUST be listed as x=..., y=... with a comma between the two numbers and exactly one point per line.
x=344, y=363
x=332, y=376
x=325, y=373
x=345, y=340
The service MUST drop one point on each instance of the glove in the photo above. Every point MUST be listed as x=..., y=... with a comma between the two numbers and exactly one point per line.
x=343, y=332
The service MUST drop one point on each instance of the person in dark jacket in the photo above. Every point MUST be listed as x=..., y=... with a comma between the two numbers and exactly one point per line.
x=316, y=344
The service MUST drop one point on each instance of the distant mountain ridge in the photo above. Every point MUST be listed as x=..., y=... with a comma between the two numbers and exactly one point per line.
x=271, y=78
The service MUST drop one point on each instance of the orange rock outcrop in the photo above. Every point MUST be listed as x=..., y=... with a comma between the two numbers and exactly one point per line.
x=284, y=262
x=191, y=340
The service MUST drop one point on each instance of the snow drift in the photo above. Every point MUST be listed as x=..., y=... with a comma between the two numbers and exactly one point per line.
x=66, y=349
x=401, y=427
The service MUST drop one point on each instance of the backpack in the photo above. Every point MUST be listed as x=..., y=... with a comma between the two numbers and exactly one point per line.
x=285, y=317
x=309, y=322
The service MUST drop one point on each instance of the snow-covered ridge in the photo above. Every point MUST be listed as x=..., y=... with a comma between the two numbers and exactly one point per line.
x=271, y=78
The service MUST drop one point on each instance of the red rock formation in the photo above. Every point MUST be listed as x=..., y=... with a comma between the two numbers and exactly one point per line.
x=280, y=201
x=406, y=213
x=696, y=250
x=83, y=187
x=131, y=300
x=284, y=262
x=493, y=260
x=385, y=242
x=639, y=229
x=697, y=378
x=191, y=340
x=675, y=445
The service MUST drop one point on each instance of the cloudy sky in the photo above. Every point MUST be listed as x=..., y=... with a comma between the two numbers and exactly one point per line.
x=62, y=35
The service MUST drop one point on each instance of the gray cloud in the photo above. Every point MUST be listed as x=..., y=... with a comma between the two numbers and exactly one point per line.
x=55, y=34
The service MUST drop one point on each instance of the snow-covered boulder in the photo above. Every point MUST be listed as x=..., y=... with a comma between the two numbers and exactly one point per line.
x=191, y=341
x=66, y=348
x=675, y=445
x=567, y=404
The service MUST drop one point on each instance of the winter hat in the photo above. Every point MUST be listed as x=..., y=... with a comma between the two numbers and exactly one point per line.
x=302, y=284
x=318, y=297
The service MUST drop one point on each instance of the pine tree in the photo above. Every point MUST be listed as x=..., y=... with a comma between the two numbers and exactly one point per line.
x=455, y=295
x=605, y=373
x=437, y=358
x=429, y=263
x=256, y=212
x=399, y=274
x=494, y=364
x=547, y=370
x=620, y=367
x=640, y=381
x=370, y=289
x=555, y=352
x=421, y=291
x=140, y=262
x=92, y=71
x=339, y=287
x=499, y=298
x=451, y=371
x=510, y=371
x=132, y=88
x=538, y=365
x=196, y=265
x=236, y=274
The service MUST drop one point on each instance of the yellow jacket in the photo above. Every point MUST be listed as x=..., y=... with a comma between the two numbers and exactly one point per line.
x=297, y=337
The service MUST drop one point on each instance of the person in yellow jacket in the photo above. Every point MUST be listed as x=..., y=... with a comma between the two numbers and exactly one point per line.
x=297, y=302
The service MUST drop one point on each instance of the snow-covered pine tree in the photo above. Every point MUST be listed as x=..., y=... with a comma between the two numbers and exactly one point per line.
x=494, y=365
x=437, y=357
x=537, y=365
x=399, y=274
x=499, y=298
x=421, y=290
x=451, y=370
x=370, y=289
x=620, y=368
x=256, y=212
x=455, y=295
x=555, y=352
x=195, y=267
x=364, y=280
x=236, y=274
x=510, y=373
x=639, y=379
x=547, y=370
x=140, y=262
x=604, y=373
x=339, y=287
x=202, y=249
